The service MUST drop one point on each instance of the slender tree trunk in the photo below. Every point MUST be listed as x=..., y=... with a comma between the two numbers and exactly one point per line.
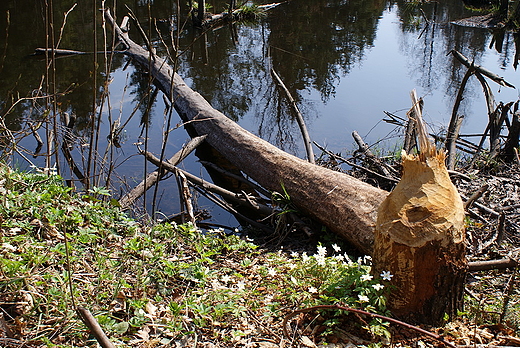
x=232, y=5
x=201, y=10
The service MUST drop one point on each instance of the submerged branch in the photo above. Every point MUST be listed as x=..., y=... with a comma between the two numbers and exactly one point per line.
x=470, y=65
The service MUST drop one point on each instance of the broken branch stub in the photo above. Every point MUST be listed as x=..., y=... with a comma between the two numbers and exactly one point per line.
x=420, y=237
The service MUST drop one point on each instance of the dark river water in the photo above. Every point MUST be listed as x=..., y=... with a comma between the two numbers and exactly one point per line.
x=345, y=62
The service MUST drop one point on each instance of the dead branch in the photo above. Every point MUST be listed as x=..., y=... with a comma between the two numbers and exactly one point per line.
x=227, y=207
x=475, y=196
x=240, y=178
x=456, y=122
x=299, y=118
x=250, y=203
x=482, y=207
x=152, y=178
x=466, y=62
x=477, y=266
x=352, y=164
x=363, y=148
x=186, y=197
x=96, y=330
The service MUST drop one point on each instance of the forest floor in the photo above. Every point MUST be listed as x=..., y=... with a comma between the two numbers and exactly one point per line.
x=170, y=285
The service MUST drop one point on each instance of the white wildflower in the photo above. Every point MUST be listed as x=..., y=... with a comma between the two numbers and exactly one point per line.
x=271, y=272
x=322, y=251
x=336, y=248
x=386, y=275
x=366, y=277
x=312, y=290
x=320, y=259
x=378, y=286
x=348, y=259
x=363, y=298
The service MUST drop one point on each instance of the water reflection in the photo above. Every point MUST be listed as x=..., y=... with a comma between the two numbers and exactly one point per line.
x=345, y=62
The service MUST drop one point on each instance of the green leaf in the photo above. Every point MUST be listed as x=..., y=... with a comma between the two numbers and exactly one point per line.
x=121, y=328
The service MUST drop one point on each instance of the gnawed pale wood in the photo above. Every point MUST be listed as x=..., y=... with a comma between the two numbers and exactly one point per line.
x=420, y=237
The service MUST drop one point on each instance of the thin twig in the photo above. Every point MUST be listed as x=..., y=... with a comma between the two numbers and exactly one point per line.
x=63, y=25
x=352, y=164
x=475, y=196
x=96, y=330
x=362, y=312
x=299, y=117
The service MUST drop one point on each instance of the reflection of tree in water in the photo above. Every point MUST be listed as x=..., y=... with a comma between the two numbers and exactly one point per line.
x=428, y=36
x=22, y=75
x=314, y=42
x=228, y=75
x=275, y=121
x=311, y=44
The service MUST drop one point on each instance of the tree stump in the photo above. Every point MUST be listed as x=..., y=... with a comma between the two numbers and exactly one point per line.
x=420, y=238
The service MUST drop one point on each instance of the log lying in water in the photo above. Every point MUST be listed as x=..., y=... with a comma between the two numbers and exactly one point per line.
x=347, y=206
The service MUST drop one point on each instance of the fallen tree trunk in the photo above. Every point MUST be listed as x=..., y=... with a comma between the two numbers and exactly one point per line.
x=347, y=206
x=233, y=15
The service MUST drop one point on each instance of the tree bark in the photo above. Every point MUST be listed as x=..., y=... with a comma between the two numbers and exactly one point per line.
x=347, y=206
x=420, y=238
x=201, y=10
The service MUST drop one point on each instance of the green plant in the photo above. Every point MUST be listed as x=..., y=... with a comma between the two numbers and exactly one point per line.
x=195, y=6
x=134, y=276
x=283, y=200
x=252, y=12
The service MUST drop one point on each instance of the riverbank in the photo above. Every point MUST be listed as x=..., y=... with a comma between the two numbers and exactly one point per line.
x=175, y=285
